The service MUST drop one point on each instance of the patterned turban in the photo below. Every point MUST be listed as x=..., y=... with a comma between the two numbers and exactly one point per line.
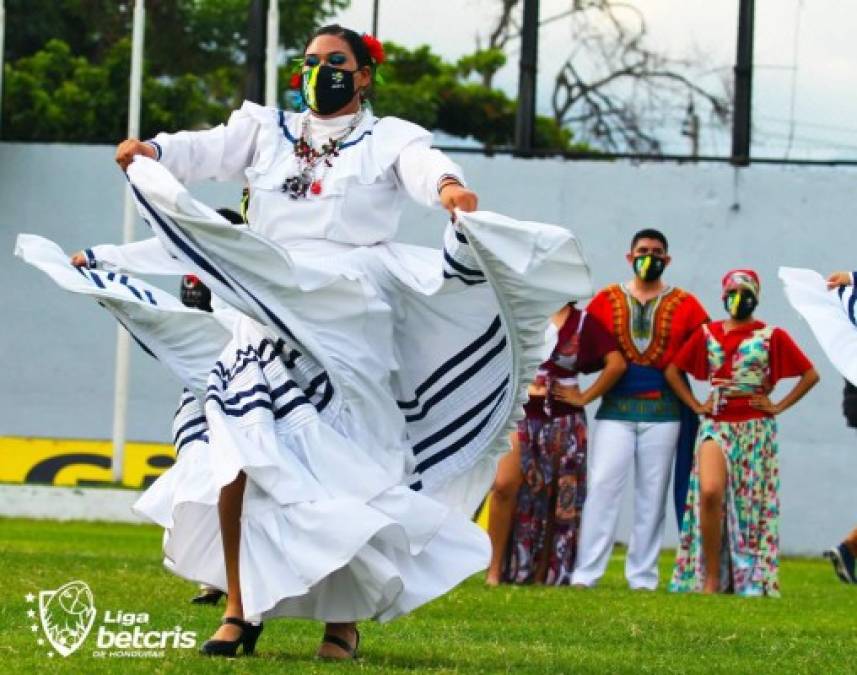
x=738, y=279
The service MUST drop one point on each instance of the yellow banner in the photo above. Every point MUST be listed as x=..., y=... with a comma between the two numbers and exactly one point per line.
x=54, y=461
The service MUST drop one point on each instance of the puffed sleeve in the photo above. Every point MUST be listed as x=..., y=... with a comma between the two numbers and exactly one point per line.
x=692, y=358
x=140, y=257
x=221, y=153
x=595, y=343
x=421, y=169
x=786, y=358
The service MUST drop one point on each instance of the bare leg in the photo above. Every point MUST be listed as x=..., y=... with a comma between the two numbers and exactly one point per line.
x=503, y=499
x=229, y=508
x=344, y=631
x=712, y=486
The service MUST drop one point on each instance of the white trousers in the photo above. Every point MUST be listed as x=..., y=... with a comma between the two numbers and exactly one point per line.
x=616, y=445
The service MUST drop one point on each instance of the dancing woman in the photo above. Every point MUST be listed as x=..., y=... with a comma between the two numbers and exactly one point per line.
x=541, y=483
x=729, y=538
x=363, y=393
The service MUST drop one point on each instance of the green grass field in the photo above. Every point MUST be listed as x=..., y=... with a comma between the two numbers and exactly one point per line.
x=474, y=629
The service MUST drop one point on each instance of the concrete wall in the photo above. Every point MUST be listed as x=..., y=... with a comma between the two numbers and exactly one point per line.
x=59, y=351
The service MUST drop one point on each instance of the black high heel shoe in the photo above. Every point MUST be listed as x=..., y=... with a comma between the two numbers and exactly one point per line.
x=247, y=640
x=208, y=596
x=343, y=645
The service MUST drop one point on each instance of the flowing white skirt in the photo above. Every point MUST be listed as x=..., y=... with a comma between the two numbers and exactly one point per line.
x=365, y=392
x=831, y=315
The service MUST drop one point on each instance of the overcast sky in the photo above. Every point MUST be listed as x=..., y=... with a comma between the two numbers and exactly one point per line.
x=823, y=87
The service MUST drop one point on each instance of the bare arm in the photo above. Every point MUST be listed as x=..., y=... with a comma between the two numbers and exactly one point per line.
x=679, y=385
x=614, y=368
x=806, y=382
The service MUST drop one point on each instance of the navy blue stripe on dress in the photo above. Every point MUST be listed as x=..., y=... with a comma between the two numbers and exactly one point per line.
x=200, y=435
x=90, y=257
x=452, y=362
x=460, y=421
x=461, y=442
x=196, y=257
x=284, y=410
x=469, y=282
x=461, y=237
x=97, y=279
x=238, y=412
x=159, y=151
x=282, y=121
x=416, y=486
x=204, y=264
x=196, y=421
x=458, y=267
x=185, y=402
x=356, y=140
x=458, y=381
x=131, y=333
x=851, y=301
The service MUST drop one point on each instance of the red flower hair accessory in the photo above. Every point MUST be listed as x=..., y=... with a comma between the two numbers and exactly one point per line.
x=295, y=81
x=376, y=49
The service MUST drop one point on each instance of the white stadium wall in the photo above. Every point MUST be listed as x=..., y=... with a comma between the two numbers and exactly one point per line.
x=58, y=350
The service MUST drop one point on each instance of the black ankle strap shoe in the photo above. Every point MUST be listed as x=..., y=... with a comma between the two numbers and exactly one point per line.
x=247, y=640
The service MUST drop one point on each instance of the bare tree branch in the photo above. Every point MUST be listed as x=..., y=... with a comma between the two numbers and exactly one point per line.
x=614, y=91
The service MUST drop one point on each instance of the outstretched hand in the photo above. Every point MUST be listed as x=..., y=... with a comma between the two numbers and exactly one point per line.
x=454, y=196
x=128, y=149
x=79, y=260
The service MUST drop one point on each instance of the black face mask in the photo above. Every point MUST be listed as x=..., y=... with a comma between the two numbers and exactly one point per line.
x=649, y=267
x=326, y=89
x=740, y=304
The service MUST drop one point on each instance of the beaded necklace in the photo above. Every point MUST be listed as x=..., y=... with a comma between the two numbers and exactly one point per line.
x=308, y=159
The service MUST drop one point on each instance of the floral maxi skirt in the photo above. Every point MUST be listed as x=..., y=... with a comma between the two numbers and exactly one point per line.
x=749, y=558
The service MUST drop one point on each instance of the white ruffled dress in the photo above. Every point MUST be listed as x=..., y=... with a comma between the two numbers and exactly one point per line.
x=365, y=387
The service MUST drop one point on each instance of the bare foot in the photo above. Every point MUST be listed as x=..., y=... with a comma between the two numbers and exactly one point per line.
x=344, y=631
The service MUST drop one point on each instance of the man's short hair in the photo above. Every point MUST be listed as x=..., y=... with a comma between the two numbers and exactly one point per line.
x=650, y=233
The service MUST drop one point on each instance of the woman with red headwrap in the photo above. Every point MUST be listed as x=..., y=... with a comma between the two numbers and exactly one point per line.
x=729, y=537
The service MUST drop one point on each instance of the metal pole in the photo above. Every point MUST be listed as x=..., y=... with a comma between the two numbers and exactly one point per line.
x=375, y=18
x=123, y=340
x=254, y=89
x=2, y=34
x=741, y=118
x=525, y=120
x=272, y=47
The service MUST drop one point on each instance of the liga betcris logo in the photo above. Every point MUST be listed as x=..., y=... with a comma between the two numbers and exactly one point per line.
x=67, y=615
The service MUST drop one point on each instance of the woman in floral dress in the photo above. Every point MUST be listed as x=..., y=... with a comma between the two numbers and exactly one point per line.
x=541, y=483
x=730, y=532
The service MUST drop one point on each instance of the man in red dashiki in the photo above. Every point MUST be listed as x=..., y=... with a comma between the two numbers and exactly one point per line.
x=639, y=420
x=736, y=463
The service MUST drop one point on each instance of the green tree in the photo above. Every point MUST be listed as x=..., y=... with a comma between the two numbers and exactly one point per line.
x=452, y=97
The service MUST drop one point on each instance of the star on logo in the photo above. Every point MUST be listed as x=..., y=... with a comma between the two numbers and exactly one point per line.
x=50, y=654
x=30, y=597
x=34, y=628
x=40, y=642
x=31, y=614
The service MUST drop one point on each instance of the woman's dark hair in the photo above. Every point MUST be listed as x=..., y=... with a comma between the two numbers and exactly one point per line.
x=358, y=48
x=354, y=40
x=650, y=233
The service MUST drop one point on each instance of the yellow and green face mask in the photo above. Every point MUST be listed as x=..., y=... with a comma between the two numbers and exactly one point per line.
x=326, y=89
x=649, y=267
x=740, y=303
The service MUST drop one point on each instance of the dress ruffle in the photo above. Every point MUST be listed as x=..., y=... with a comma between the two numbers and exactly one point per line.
x=366, y=392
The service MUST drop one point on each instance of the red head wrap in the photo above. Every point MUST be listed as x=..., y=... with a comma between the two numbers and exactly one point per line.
x=735, y=280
